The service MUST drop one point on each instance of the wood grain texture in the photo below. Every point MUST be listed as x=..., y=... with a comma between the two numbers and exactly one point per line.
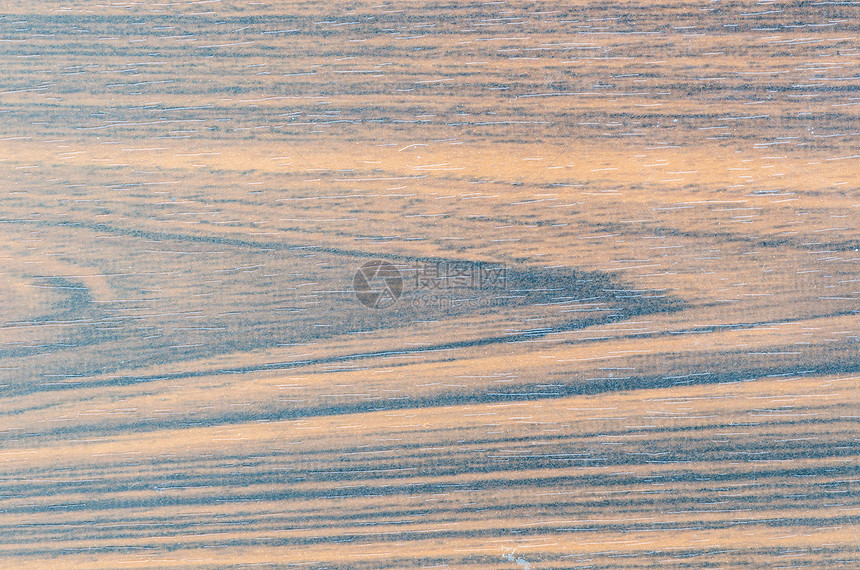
x=664, y=372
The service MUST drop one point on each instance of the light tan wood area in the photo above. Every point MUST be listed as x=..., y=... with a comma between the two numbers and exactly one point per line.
x=429, y=285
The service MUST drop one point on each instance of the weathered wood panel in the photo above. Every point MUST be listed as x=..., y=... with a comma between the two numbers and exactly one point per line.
x=621, y=322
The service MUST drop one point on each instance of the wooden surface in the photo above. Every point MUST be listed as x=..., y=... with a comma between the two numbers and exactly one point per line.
x=666, y=375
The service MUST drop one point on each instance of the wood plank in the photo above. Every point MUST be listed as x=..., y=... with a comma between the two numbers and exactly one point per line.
x=366, y=285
